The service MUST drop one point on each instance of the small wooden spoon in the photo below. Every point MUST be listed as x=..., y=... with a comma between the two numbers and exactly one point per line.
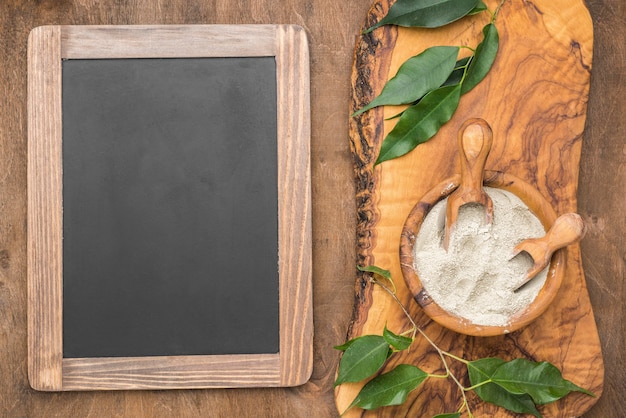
x=475, y=138
x=567, y=229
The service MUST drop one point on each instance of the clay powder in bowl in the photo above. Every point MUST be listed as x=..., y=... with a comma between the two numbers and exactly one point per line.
x=476, y=278
x=470, y=288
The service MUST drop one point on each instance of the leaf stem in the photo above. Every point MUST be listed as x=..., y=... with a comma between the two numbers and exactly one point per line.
x=466, y=47
x=477, y=385
x=466, y=67
x=439, y=376
x=395, y=298
x=442, y=354
x=494, y=15
x=449, y=373
x=462, y=360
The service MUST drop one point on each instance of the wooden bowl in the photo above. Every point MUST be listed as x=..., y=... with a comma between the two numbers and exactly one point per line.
x=538, y=206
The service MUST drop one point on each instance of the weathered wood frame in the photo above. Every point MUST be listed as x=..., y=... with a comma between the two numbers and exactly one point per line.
x=47, y=47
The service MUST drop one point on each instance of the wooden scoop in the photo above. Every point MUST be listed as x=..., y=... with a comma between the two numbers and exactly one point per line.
x=475, y=137
x=567, y=229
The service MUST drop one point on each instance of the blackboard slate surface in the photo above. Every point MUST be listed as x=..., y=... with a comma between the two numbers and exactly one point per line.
x=170, y=207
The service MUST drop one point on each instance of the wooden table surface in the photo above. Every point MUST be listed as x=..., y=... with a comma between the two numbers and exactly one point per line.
x=331, y=27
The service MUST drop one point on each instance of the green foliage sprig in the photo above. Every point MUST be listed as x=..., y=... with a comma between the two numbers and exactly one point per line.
x=432, y=82
x=518, y=385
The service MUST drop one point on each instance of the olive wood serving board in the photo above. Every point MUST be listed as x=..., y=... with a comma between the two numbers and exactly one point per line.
x=535, y=99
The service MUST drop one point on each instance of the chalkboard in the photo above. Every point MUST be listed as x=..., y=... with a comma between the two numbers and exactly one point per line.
x=169, y=207
x=170, y=213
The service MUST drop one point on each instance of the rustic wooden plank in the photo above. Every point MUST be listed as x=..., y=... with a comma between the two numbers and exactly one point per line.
x=171, y=372
x=45, y=266
x=535, y=99
x=294, y=217
x=600, y=198
x=171, y=41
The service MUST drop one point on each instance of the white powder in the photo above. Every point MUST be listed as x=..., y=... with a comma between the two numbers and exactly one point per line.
x=476, y=278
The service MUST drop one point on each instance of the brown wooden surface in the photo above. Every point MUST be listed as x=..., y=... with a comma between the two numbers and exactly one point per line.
x=332, y=28
x=45, y=212
x=535, y=100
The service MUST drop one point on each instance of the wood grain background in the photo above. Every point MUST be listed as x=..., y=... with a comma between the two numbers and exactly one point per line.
x=332, y=27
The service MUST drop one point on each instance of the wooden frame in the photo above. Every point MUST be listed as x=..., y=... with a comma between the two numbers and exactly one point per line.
x=48, y=46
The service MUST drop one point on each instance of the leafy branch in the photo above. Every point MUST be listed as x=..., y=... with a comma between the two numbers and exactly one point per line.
x=518, y=385
x=432, y=82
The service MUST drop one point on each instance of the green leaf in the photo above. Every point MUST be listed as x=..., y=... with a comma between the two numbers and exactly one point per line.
x=364, y=356
x=377, y=270
x=399, y=342
x=381, y=272
x=454, y=78
x=457, y=74
x=542, y=381
x=345, y=345
x=452, y=415
x=481, y=371
x=425, y=13
x=416, y=77
x=420, y=122
x=480, y=7
x=483, y=59
x=390, y=388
